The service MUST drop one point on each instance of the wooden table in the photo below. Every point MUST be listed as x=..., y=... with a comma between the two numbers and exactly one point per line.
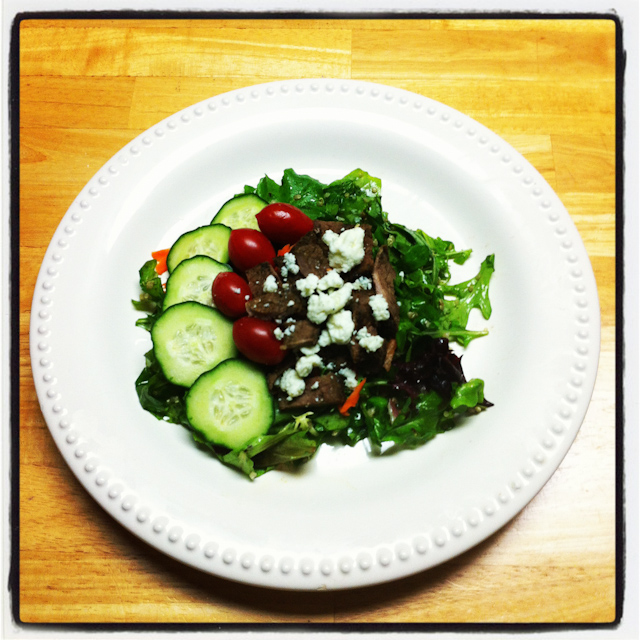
x=87, y=87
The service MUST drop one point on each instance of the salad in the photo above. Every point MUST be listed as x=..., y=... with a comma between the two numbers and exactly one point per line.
x=300, y=315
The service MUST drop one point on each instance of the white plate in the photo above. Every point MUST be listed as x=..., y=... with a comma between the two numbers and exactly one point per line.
x=346, y=519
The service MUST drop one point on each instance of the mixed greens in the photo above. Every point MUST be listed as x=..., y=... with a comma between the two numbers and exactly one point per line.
x=425, y=391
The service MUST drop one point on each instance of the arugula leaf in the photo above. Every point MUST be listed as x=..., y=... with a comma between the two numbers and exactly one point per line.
x=468, y=395
x=151, y=295
x=469, y=295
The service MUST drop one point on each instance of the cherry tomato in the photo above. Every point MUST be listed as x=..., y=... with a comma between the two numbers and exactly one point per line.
x=283, y=223
x=249, y=247
x=230, y=294
x=255, y=339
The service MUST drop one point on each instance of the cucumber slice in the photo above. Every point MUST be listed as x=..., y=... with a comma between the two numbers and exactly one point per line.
x=191, y=280
x=230, y=404
x=240, y=212
x=211, y=240
x=190, y=338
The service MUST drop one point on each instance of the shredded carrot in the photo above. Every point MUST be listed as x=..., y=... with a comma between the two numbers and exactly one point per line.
x=285, y=249
x=161, y=258
x=352, y=400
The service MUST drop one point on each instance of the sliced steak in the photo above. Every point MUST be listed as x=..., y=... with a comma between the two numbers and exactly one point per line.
x=391, y=346
x=328, y=392
x=320, y=226
x=311, y=255
x=275, y=372
x=257, y=275
x=361, y=311
x=278, y=263
x=335, y=357
x=362, y=314
x=365, y=267
x=276, y=305
x=305, y=334
x=367, y=361
x=383, y=277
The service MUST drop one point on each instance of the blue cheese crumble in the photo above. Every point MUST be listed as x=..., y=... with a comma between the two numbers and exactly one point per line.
x=270, y=284
x=380, y=307
x=322, y=305
x=362, y=284
x=290, y=265
x=346, y=249
x=309, y=351
x=333, y=280
x=368, y=341
x=305, y=364
x=349, y=375
x=340, y=327
x=306, y=286
x=291, y=383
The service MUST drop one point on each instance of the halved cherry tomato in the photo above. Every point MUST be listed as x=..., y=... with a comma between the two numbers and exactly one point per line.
x=230, y=294
x=283, y=223
x=249, y=247
x=255, y=339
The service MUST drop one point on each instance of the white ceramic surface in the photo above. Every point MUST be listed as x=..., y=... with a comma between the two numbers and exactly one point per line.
x=347, y=518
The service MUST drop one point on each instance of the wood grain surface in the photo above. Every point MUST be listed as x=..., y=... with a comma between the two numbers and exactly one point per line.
x=548, y=87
